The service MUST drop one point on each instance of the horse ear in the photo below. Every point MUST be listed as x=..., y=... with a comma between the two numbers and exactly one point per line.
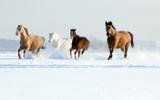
x=73, y=30
x=20, y=26
x=110, y=23
x=106, y=23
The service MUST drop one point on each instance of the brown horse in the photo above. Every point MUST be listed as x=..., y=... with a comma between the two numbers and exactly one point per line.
x=78, y=43
x=118, y=39
x=29, y=42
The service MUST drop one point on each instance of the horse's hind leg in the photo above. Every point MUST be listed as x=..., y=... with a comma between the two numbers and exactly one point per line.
x=126, y=50
x=37, y=51
x=79, y=52
x=34, y=52
x=83, y=50
x=122, y=49
x=24, y=53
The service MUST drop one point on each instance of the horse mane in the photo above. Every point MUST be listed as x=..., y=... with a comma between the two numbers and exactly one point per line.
x=26, y=30
x=113, y=27
x=75, y=40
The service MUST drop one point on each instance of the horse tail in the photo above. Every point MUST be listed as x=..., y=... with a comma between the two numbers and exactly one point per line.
x=87, y=46
x=43, y=47
x=132, y=42
x=88, y=43
x=43, y=39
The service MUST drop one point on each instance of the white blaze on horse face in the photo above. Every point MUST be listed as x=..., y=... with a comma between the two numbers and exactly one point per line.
x=109, y=31
x=72, y=35
x=18, y=31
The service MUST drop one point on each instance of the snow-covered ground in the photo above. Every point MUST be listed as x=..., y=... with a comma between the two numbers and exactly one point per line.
x=80, y=84
x=53, y=75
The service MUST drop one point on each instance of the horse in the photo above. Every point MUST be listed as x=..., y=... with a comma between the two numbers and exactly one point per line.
x=29, y=42
x=59, y=42
x=118, y=39
x=78, y=43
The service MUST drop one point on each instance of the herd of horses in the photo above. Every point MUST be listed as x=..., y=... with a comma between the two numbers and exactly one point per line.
x=78, y=44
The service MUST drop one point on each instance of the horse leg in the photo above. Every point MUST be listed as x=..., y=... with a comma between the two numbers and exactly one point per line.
x=75, y=54
x=19, y=50
x=126, y=50
x=71, y=52
x=19, y=55
x=83, y=50
x=110, y=55
x=122, y=49
x=34, y=52
x=79, y=52
x=37, y=51
x=24, y=53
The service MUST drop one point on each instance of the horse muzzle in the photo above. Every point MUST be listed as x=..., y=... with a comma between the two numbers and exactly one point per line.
x=17, y=33
x=107, y=34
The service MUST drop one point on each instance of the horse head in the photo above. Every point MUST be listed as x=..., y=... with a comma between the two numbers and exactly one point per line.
x=21, y=29
x=72, y=33
x=110, y=29
x=54, y=37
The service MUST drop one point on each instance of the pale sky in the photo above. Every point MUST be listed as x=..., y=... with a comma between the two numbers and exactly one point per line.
x=141, y=17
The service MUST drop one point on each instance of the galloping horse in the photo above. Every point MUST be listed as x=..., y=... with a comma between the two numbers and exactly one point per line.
x=61, y=43
x=29, y=42
x=118, y=39
x=78, y=43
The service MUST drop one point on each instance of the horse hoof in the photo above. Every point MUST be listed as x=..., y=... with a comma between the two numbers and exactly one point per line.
x=109, y=58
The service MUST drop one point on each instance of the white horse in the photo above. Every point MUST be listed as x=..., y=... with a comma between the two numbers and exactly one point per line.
x=60, y=43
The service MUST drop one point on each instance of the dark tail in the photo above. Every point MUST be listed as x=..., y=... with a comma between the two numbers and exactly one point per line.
x=86, y=47
x=132, y=43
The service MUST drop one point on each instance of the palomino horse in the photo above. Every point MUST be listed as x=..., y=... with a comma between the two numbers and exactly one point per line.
x=29, y=42
x=118, y=39
x=59, y=42
x=78, y=43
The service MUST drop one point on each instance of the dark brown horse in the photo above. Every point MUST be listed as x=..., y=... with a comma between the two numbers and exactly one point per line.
x=118, y=39
x=78, y=43
x=29, y=42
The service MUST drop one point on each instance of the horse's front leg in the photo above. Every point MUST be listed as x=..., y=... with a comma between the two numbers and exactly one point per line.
x=71, y=52
x=75, y=54
x=19, y=55
x=111, y=48
x=110, y=55
x=19, y=50
x=79, y=52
